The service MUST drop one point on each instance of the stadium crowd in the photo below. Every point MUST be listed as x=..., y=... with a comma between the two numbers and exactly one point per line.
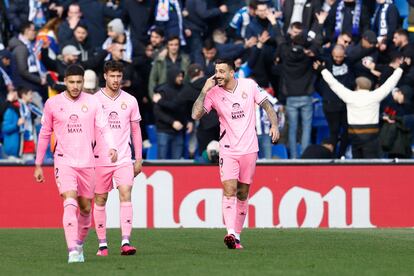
x=168, y=48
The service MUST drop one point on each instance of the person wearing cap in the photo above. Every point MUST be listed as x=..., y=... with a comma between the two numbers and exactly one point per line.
x=90, y=82
x=363, y=108
x=365, y=50
x=116, y=34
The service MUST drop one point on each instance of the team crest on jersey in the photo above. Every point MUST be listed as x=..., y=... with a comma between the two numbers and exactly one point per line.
x=123, y=106
x=84, y=108
x=113, y=120
x=74, y=126
x=244, y=95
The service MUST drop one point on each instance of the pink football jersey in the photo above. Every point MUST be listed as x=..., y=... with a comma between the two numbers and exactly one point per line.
x=73, y=123
x=237, y=116
x=119, y=113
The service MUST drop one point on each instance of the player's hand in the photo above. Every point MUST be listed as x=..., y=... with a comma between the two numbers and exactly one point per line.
x=38, y=174
x=274, y=134
x=210, y=83
x=137, y=167
x=177, y=125
x=113, y=154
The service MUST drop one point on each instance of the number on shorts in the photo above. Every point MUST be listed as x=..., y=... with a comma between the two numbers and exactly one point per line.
x=56, y=173
x=221, y=162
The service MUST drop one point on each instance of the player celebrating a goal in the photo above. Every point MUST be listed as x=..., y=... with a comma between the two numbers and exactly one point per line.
x=122, y=115
x=235, y=100
x=74, y=117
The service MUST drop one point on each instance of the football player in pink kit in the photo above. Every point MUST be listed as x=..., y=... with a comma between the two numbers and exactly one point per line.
x=122, y=114
x=235, y=100
x=73, y=116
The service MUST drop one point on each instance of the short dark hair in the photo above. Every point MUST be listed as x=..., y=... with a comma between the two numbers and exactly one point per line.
x=402, y=32
x=23, y=91
x=209, y=44
x=159, y=31
x=346, y=33
x=297, y=25
x=26, y=25
x=113, y=65
x=74, y=70
x=253, y=4
x=229, y=62
x=194, y=70
x=81, y=25
x=173, y=37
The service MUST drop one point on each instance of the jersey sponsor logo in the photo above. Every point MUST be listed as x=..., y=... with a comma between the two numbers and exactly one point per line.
x=237, y=112
x=74, y=126
x=113, y=120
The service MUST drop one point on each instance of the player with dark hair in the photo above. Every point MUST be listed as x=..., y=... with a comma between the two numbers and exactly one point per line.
x=73, y=116
x=235, y=102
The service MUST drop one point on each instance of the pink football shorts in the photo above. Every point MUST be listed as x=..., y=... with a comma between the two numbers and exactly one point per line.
x=81, y=180
x=240, y=167
x=107, y=176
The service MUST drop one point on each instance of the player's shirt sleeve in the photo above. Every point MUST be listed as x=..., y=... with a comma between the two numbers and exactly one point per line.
x=259, y=94
x=135, y=114
x=208, y=102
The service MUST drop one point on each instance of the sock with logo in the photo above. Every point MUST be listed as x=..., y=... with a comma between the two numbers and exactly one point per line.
x=99, y=215
x=126, y=221
x=229, y=213
x=242, y=207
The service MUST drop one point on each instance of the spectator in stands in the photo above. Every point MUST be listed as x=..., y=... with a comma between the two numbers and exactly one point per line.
x=365, y=49
x=172, y=57
x=240, y=21
x=211, y=154
x=168, y=16
x=11, y=124
x=90, y=82
x=171, y=124
x=138, y=16
x=36, y=11
x=264, y=21
x=6, y=82
x=70, y=55
x=195, y=21
x=157, y=42
x=302, y=11
x=323, y=151
x=29, y=71
x=333, y=107
x=401, y=43
x=384, y=71
x=81, y=42
x=386, y=20
x=28, y=112
x=351, y=16
x=363, y=109
x=117, y=34
x=94, y=13
x=67, y=27
x=297, y=80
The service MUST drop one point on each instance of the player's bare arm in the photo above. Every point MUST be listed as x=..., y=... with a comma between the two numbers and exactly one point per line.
x=198, y=107
x=274, y=129
x=38, y=174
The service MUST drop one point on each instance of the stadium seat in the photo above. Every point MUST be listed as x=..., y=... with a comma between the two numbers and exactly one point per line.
x=152, y=134
x=322, y=133
x=318, y=117
x=152, y=152
x=279, y=151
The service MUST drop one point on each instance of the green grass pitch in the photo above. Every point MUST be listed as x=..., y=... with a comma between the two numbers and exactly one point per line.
x=202, y=252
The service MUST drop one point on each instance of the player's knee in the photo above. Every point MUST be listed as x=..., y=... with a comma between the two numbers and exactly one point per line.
x=124, y=197
x=242, y=195
x=86, y=209
x=100, y=200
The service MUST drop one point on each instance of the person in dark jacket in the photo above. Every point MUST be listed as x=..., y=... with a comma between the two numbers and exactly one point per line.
x=67, y=27
x=307, y=16
x=323, y=151
x=386, y=20
x=333, y=107
x=95, y=12
x=196, y=22
x=138, y=15
x=171, y=124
